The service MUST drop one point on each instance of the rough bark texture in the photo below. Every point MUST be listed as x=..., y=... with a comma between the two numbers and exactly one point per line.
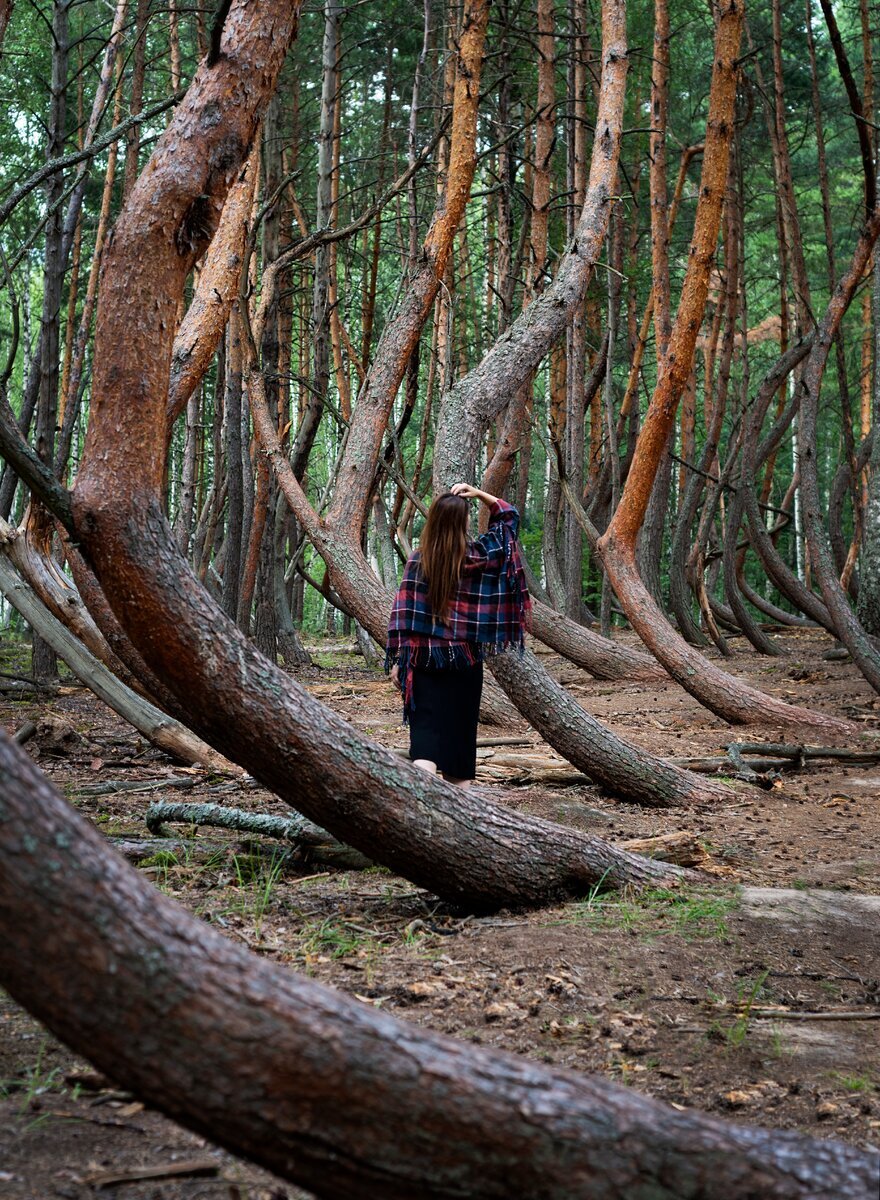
x=719, y=691
x=478, y=398
x=322, y=1089
x=55, y=591
x=602, y=657
x=433, y=833
x=676, y=365
x=202, y=327
x=305, y=834
x=165, y=733
x=619, y=766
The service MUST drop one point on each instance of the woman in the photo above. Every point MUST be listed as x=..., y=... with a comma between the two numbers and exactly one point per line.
x=459, y=600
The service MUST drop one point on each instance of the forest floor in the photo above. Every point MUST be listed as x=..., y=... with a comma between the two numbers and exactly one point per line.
x=762, y=1008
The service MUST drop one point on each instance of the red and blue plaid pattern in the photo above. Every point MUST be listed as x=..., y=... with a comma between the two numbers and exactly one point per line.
x=489, y=612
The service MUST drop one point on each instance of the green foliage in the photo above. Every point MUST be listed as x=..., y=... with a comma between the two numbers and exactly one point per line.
x=380, y=50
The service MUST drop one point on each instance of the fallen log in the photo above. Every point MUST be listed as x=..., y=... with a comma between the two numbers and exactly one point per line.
x=164, y=732
x=112, y=787
x=315, y=843
x=139, y=850
x=323, y=1089
x=25, y=732
x=682, y=848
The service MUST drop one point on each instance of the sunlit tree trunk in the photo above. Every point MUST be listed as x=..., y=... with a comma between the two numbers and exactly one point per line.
x=719, y=691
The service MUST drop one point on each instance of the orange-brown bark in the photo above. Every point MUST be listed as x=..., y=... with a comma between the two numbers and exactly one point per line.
x=719, y=691
x=349, y=506
x=674, y=371
x=202, y=328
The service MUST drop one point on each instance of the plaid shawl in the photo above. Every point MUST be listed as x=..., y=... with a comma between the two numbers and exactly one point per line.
x=489, y=612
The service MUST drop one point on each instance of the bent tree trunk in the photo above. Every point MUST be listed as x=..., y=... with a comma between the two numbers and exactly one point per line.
x=434, y=834
x=162, y=731
x=202, y=328
x=719, y=691
x=326, y=1091
x=846, y=622
x=566, y=727
x=474, y=401
x=55, y=591
x=602, y=657
x=622, y=768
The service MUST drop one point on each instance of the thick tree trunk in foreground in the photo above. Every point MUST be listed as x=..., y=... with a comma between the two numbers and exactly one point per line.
x=323, y=1089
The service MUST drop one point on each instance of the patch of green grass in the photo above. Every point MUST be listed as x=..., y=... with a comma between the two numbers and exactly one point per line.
x=333, y=938
x=748, y=994
x=735, y=1033
x=688, y=912
x=163, y=861
x=329, y=660
x=257, y=878
x=780, y=1047
x=855, y=1083
x=36, y=1081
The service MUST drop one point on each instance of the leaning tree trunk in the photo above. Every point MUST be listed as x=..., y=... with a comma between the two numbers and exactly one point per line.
x=201, y=330
x=719, y=691
x=850, y=631
x=322, y=1089
x=437, y=835
x=161, y=730
x=476, y=400
x=621, y=767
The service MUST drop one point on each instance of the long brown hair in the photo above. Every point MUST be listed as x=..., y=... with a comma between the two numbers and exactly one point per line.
x=443, y=547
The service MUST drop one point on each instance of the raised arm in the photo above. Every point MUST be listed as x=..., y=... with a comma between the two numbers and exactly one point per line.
x=488, y=552
x=472, y=493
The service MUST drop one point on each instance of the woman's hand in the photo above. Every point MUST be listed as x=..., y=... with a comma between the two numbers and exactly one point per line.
x=395, y=676
x=471, y=493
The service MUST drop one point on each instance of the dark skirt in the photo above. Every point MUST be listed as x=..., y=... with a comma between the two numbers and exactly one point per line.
x=443, y=719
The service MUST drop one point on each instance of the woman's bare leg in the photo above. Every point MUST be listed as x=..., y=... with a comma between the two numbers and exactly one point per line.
x=462, y=783
x=426, y=765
